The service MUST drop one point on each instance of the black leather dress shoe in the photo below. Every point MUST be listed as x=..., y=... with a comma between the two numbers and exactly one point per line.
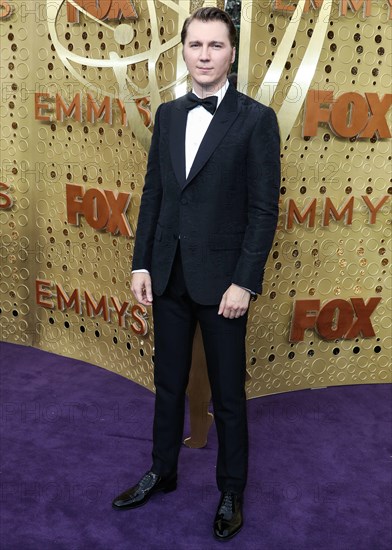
x=228, y=520
x=141, y=492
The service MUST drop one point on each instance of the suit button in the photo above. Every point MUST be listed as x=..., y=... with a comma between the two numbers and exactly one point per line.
x=184, y=201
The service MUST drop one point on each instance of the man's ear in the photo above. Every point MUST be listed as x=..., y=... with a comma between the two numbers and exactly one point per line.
x=233, y=55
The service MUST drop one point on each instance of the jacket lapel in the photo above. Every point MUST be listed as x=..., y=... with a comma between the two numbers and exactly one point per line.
x=224, y=117
x=177, y=140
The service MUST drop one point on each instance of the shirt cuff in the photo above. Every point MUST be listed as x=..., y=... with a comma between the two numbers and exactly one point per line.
x=141, y=271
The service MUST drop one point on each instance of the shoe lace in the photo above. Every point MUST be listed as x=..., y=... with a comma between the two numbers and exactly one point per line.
x=227, y=503
x=146, y=480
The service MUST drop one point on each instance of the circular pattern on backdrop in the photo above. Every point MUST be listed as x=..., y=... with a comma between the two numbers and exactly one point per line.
x=107, y=157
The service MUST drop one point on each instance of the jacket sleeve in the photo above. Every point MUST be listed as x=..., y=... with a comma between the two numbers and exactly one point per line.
x=150, y=204
x=263, y=183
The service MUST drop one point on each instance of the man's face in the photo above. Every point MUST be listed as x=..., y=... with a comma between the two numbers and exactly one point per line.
x=208, y=55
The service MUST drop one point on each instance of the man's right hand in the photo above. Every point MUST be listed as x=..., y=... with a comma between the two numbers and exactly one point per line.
x=141, y=288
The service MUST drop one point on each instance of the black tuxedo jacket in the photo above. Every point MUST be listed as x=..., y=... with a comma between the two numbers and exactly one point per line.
x=224, y=214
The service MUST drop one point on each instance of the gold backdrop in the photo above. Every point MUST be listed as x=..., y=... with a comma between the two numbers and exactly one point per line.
x=79, y=91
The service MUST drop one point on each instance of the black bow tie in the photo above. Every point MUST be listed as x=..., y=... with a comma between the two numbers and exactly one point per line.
x=209, y=103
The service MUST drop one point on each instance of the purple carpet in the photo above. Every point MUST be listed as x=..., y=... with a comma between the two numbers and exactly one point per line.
x=75, y=435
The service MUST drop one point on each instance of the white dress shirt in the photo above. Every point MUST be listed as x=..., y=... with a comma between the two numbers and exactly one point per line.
x=196, y=126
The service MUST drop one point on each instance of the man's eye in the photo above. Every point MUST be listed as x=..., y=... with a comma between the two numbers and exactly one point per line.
x=217, y=46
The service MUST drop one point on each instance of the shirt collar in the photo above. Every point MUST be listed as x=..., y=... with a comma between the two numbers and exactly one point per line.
x=220, y=94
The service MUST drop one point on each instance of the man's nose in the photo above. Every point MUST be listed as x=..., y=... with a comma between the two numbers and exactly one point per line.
x=205, y=53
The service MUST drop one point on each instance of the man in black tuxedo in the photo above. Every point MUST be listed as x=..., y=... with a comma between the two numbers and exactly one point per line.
x=206, y=225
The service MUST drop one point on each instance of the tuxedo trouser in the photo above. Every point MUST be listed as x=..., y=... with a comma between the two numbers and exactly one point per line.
x=175, y=319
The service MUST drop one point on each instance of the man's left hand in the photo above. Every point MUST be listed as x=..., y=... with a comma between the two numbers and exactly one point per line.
x=234, y=303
